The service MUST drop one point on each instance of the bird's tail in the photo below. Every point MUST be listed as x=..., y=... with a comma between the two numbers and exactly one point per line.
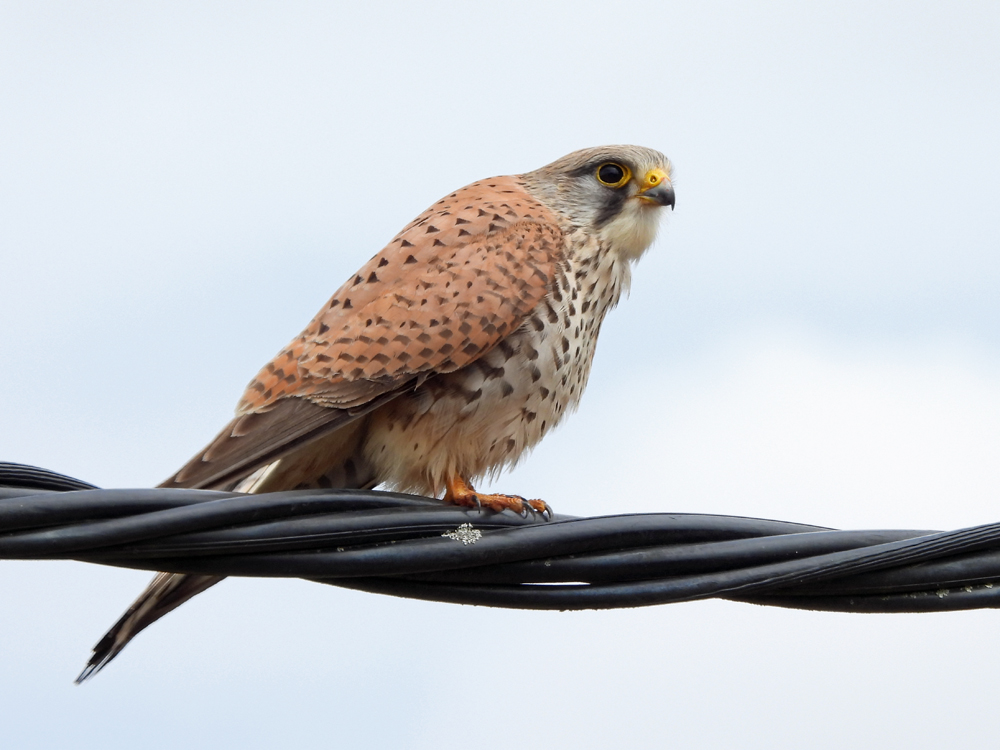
x=166, y=592
x=340, y=455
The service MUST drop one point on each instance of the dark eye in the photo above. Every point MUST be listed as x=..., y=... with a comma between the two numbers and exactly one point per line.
x=613, y=175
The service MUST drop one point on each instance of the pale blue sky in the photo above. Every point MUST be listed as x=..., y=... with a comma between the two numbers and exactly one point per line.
x=815, y=337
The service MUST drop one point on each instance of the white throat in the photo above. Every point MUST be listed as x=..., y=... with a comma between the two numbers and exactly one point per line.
x=632, y=231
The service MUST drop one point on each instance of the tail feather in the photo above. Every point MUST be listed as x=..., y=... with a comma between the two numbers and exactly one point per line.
x=335, y=460
x=166, y=592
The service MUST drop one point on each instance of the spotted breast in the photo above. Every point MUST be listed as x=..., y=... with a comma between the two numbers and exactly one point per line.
x=483, y=417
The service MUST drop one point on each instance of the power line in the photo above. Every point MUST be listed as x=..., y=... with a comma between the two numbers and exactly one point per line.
x=422, y=548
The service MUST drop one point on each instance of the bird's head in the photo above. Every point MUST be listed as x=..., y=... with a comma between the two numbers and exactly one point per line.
x=615, y=192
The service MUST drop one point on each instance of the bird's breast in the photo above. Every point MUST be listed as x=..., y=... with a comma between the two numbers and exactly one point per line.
x=485, y=416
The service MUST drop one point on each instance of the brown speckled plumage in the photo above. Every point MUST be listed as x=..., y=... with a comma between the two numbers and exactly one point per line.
x=452, y=284
x=446, y=357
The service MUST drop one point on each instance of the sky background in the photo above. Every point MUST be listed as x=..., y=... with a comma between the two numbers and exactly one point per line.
x=814, y=337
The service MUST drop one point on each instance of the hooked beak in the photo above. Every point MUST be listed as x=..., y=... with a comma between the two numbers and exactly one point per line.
x=657, y=189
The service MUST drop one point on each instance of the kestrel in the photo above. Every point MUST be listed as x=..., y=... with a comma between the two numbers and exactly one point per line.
x=446, y=357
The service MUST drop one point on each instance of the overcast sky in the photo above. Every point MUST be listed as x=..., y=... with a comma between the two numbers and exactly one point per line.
x=814, y=337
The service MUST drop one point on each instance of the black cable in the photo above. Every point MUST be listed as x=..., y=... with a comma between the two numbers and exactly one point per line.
x=422, y=548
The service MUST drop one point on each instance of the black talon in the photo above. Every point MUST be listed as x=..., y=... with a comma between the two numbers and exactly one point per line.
x=545, y=512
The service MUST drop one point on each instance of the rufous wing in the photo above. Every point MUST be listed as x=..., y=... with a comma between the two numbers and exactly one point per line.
x=447, y=289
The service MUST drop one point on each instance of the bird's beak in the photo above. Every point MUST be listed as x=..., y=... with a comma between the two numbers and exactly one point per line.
x=656, y=188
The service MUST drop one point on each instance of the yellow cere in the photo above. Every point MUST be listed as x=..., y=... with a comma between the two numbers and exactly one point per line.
x=653, y=178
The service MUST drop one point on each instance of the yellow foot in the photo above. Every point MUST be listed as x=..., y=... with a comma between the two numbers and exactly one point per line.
x=461, y=492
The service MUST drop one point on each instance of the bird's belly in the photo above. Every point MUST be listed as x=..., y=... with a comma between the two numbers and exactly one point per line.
x=483, y=417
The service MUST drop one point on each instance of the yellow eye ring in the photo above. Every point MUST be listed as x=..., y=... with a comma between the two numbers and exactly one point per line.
x=613, y=175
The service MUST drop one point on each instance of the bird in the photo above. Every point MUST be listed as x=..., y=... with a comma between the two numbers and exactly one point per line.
x=446, y=357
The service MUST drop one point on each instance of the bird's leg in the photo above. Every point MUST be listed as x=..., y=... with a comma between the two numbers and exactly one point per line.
x=460, y=492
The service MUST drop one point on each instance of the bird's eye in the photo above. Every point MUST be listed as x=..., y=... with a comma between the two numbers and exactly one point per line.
x=613, y=175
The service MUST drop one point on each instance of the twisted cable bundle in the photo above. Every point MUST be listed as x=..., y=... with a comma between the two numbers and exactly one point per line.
x=419, y=547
